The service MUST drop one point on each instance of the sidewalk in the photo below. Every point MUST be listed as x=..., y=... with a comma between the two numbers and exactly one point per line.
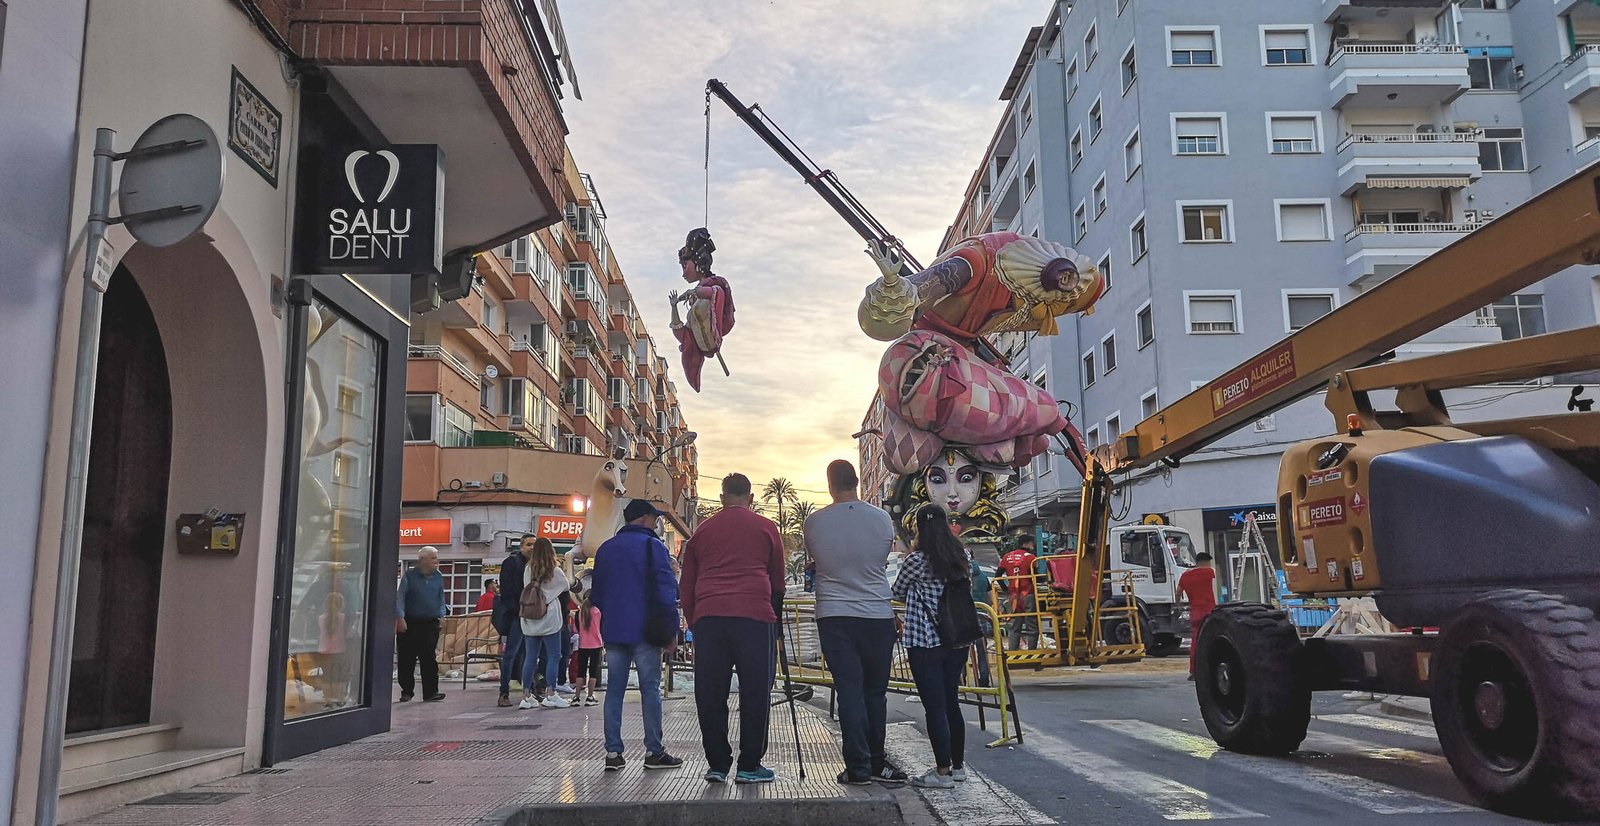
x=466, y=762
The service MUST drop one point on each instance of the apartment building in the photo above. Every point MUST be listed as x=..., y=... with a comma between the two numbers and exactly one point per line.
x=518, y=393
x=1238, y=172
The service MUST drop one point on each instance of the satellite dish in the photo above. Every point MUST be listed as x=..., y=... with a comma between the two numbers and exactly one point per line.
x=171, y=181
x=491, y=372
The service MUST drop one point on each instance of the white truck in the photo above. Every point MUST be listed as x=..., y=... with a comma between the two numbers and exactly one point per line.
x=1156, y=555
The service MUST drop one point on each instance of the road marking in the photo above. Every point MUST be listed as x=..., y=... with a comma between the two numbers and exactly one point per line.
x=1171, y=799
x=978, y=802
x=1334, y=742
x=1371, y=795
x=1381, y=724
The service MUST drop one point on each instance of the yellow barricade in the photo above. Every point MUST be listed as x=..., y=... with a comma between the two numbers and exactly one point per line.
x=803, y=649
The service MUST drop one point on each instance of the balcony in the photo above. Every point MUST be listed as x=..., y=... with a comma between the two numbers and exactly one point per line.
x=1397, y=75
x=482, y=80
x=431, y=369
x=1580, y=77
x=1336, y=10
x=1375, y=252
x=1585, y=154
x=1408, y=160
x=527, y=359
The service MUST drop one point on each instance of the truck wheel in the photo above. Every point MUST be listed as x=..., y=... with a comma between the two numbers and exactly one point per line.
x=1249, y=681
x=1119, y=629
x=1516, y=702
x=1163, y=645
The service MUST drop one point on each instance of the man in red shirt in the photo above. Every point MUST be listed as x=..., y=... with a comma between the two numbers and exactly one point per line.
x=1199, y=587
x=1018, y=569
x=733, y=581
x=486, y=599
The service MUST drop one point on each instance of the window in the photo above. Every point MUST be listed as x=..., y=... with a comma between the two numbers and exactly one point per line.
x=1501, y=150
x=1301, y=307
x=1490, y=68
x=1293, y=134
x=350, y=400
x=1303, y=220
x=1198, y=135
x=1091, y=437
x=1147, y=404
x=617, y=391
x=458, y=428
x=1072, y=78
x=1211, y=313
x=492, y=315
x=1519, y=316
x=346, y=468
x=1080, y=222
x=1088, y=369
x=1138, y=245
x=1114, y=425
x=1286, y=47
x=486, y=395
x=1130, y=69
x=1205, y=223
x=1097, y=120
x=1108, y=353
x=1030, y=179
x=419, y=416
x=1145, y=323
x=1077, y=148
x=1091, y=45
x=1192, y=47
x=1132, y=155
x=578, y=279
x=1025, y=119
x=1100, y=197
x=518, y=252
x=1105, y=272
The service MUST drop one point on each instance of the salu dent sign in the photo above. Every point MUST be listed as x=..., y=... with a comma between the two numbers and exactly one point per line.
x=379, y=210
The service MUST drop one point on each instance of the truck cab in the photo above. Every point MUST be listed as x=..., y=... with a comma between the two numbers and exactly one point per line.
x=1156, y=555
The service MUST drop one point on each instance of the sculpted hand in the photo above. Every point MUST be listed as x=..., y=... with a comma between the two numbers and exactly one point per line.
x=888, y=260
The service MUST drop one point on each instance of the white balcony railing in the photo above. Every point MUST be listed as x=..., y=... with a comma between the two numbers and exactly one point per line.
x=1413, y=229
x=1352, y=138
x=1395, y=49
x=437, y=353
x=523, y=345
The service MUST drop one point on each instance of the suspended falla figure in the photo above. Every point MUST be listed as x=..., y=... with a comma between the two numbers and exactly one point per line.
x=937, y=391
x=708, y=305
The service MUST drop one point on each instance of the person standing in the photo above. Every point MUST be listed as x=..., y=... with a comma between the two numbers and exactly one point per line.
x=938, y=562
x=1018, y=566
x=591, y=649
x=491, y=589
x=418, y=606
x=506, y=617
x=638, y=600
x=850, y=542
x=1199, y=587
x=542, y=618
x=980, y=595
x=732, y=589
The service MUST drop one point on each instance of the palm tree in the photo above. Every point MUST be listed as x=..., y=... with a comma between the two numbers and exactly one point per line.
x=794, y=538
x=780, y=490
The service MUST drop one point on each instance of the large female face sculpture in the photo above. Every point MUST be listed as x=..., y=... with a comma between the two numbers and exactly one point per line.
x=953, y=483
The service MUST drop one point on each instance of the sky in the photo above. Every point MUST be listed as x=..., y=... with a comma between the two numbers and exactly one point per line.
x=898, y=97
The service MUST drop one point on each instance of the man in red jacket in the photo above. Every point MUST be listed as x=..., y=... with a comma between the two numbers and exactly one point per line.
x=1199, y=587
x=733, y=577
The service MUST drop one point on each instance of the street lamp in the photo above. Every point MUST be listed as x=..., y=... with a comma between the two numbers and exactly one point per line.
x=686, y=438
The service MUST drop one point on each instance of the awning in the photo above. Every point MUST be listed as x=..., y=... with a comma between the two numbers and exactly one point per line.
x=1425, y=182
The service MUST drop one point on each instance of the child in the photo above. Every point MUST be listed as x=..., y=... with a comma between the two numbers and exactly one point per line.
x=591, y=649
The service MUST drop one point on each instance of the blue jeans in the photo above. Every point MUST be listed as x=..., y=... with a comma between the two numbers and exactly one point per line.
x=511, y=659
x=547, y=648
x=860, y=653
x=647, y=658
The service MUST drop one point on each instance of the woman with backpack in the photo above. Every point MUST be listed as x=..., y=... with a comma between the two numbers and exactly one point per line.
x=541, y=614
x=940, y=625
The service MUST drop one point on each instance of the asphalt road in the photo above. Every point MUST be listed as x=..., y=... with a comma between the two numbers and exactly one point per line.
x=1129, y=747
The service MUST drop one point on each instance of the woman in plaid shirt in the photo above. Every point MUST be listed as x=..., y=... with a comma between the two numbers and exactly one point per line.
x=937, y=562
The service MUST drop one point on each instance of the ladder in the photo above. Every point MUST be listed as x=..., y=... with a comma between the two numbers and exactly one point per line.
x=1254, y=578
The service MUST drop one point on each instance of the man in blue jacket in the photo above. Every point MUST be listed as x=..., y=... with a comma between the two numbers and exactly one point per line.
x=638, y=601
x=506, y=619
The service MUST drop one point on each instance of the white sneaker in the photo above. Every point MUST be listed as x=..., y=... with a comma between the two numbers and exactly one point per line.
x=527, y=703
x=555, y=701
x=566, y=688
x=958, y=775
x=933, y=780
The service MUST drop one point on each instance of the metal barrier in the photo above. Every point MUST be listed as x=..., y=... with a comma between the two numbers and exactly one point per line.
x=1052, y=614
x=803, y=649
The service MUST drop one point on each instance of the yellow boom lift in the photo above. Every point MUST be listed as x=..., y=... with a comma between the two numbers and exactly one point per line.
x=1482, y=538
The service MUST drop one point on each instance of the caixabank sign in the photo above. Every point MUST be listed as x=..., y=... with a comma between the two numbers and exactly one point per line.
x=377, y=210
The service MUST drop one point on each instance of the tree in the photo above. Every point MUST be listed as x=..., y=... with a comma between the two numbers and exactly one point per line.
x=781, y=491
x=794, y=539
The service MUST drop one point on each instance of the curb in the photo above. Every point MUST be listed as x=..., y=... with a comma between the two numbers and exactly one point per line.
x=880, y=811
x=1410, y=708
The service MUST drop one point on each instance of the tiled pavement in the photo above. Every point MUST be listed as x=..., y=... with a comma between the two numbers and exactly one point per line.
x=464, y=759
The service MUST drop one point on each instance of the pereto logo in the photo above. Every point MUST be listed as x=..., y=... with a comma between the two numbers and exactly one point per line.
x=1323, y=512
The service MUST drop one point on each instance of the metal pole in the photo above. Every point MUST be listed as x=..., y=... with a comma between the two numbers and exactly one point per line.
x=55, y=709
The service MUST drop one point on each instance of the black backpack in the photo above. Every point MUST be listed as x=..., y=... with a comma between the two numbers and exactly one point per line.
x=957, y=615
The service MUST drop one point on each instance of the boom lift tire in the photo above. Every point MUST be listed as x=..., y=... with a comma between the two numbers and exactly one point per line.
x=1516, y=702
x=1250, y=680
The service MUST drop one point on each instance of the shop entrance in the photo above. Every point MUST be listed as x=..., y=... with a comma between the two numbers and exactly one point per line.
x=119, y=579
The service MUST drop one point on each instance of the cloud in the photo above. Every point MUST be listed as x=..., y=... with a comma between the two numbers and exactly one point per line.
x=897, y=97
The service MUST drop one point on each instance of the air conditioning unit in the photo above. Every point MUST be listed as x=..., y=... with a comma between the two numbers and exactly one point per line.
x=499, y=479
x=477, y=533
x=517, y=422
x=572, y=328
